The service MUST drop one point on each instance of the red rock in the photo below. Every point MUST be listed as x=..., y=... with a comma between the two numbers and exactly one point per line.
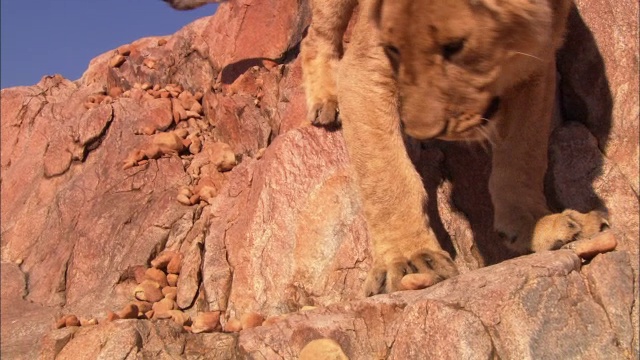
x=150, y=63
x=130, y=311
x=221, y=156
x=156, y=275
x=88, y=322
x=72, y=320
x=148, y=291
x=190, y=276
x=233, y=325
x=183, y=199
x=117, y=60
x=162, y=260
x=61, y=322
x=169, y=290
x=143, y=306
x=173, y=267
x=206, y=322
x=111, y=316
x=172, y=279
x=161, y=308
x=178, y=111
x=322, y=349
x=124, y=50
x=138, y=273
x=179, y=317
x=272, y=320
x=251, y=320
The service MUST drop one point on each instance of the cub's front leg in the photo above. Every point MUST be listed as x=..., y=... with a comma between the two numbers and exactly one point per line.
x=519, y=165
x=392, y=192
x=321, y=52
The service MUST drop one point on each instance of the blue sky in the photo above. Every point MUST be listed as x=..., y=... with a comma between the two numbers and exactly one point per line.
x=43, y=37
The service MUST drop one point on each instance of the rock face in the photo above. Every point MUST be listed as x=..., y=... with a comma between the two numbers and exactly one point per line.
x=282, y=230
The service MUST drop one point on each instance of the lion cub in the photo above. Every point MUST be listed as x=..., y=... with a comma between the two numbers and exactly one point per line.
x=446, y=69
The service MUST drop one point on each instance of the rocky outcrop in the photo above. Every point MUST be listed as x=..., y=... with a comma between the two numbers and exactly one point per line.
x=261, y=210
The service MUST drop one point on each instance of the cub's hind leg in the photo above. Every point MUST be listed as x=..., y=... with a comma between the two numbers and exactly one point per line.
x=519, y=165
x=321, y=52
x=392, y=192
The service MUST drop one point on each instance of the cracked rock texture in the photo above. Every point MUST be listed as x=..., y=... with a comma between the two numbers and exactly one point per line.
x=285, y=229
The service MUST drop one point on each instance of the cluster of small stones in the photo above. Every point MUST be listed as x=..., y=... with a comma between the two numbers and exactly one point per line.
x=154, y=298
x=123, y=52
x=185, y=140
x=223, y=159
x=186, y=109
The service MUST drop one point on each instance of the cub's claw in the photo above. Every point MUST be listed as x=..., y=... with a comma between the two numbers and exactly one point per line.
x=324, y=114
x=433, y=267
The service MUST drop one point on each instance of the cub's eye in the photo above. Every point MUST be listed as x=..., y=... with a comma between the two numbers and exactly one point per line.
x=393, y=54
x=451, y=48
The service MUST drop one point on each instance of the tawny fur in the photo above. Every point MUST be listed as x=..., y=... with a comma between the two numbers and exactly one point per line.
x=448, y=69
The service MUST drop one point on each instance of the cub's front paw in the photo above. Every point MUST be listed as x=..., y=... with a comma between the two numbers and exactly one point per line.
x=422, y=269
x=324, y=112
x=556, y=230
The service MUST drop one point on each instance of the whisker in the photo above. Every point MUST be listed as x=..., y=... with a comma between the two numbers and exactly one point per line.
x=486, y=133
x=529, y=55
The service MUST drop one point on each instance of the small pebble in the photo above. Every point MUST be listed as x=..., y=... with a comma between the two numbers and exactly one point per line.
x=143, y=306
x=194, y=199
x=156, y=275
x=62, y=322
x=150, y=63
x=169, y=290
x=251, y=320
x=233, y=325
x=161, y=261
x=179, y=317
x=111, y=316
x=72, y=320
x=183, y=199
x=185, y=191
x=124, y=50
x=260, y=153
x=322, y=349
x=174, y=266
x=148, y=291
x=206, y=322
x=89, y=322
x=115, y=91
x=161, y=308
x=130, y=311
x=116, y=61
x=172, y=279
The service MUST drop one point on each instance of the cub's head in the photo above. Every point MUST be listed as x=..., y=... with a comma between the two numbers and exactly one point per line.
x=455, y=60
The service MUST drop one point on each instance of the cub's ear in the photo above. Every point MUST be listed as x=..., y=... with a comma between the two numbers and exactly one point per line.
x=376, y=12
